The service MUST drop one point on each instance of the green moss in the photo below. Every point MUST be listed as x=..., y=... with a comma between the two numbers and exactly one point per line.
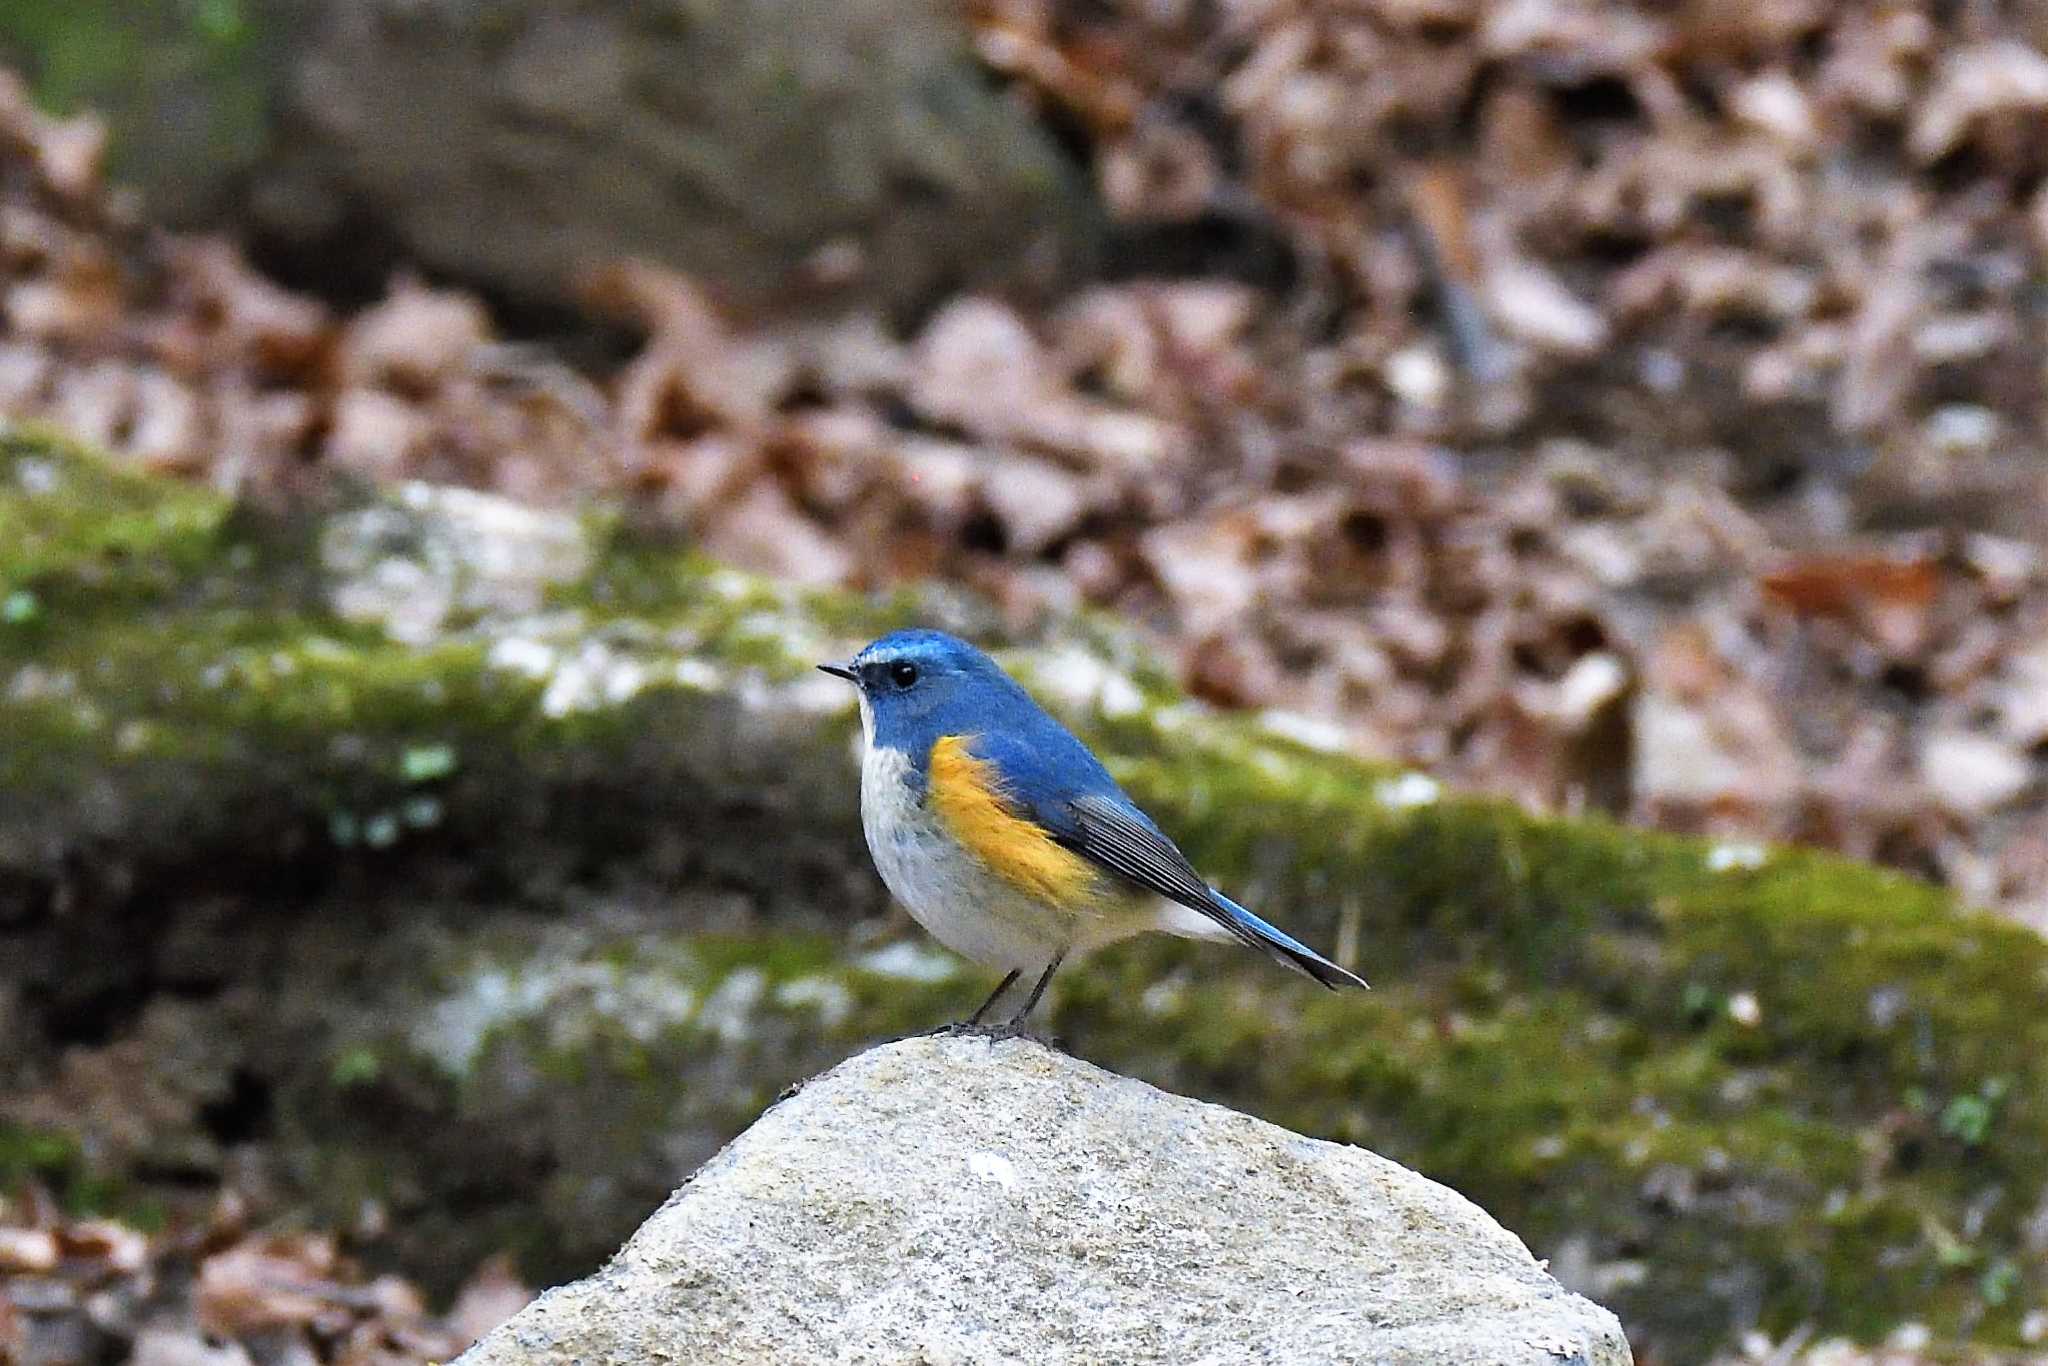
x=55, y=1163
x=27, y=1154
x=63, y=513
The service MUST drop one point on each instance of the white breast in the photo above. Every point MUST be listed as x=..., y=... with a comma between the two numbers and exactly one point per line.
x=950, y=893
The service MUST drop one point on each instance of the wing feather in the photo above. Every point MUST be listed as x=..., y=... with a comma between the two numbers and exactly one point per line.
x=1121, y=840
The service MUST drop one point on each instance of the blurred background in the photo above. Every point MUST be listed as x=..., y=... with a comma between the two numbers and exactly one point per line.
x=442, y=433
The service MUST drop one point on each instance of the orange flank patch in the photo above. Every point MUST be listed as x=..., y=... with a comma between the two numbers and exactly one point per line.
x=965, y=793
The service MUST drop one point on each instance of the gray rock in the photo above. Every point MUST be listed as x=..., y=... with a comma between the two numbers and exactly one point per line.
x=949, y=1200
x=784, y=151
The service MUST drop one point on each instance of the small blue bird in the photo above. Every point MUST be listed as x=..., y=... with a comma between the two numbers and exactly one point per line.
x=1006, y=838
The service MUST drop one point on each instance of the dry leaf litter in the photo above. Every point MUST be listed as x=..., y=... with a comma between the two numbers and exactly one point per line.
x=76, y=1291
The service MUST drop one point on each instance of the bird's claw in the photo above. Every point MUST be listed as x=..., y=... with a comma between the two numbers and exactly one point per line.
x=994, y=1033
x=973, y=1029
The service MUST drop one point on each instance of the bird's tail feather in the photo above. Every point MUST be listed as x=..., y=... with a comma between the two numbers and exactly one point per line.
x=1282, y=947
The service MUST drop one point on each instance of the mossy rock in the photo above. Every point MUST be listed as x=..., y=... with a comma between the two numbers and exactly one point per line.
x=456, y=820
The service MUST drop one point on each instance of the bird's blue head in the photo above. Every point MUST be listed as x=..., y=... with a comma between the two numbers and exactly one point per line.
x=918, y=685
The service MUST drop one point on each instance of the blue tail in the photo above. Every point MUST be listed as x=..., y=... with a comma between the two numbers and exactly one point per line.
x=1280, y=946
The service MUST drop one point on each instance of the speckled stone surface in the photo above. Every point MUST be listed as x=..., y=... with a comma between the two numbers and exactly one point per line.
x=953, y=1200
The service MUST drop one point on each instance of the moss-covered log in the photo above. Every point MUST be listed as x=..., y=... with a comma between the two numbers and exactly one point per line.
x=496, y=866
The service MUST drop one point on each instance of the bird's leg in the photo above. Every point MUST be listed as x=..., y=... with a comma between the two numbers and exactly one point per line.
x=974, y=1020
x=1014, y=1026
x=1044, y=980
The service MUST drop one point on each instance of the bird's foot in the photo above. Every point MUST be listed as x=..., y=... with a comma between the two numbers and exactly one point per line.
x=977, y=1029
x=996, y=1032
x=964, y=1029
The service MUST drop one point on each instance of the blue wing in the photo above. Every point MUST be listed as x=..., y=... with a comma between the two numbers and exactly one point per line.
x=1063, y=787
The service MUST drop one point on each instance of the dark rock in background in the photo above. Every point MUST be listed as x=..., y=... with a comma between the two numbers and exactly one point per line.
x=786, y=150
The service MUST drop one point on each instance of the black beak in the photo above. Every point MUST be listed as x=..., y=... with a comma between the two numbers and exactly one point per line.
x=841, y=671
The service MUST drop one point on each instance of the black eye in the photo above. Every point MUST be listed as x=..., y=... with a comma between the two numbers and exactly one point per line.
x=902, y=673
